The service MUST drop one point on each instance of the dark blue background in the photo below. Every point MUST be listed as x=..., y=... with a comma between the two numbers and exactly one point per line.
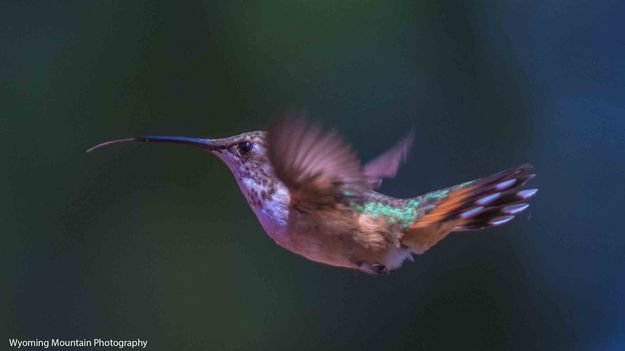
x=156, y=242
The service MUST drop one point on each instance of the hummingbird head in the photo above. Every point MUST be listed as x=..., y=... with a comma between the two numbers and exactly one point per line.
x=244, y=154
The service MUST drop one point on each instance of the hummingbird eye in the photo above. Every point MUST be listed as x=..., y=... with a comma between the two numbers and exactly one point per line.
x=244, y=147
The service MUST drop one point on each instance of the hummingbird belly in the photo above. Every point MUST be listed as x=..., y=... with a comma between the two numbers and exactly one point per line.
x=342, y=238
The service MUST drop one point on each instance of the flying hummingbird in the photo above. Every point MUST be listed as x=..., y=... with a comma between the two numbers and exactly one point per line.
x=313, y=197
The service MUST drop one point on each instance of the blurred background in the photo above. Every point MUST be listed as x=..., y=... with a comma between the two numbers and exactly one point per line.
x=156, y=241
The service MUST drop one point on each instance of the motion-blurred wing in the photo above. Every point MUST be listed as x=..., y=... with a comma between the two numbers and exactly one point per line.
x=387, y=164
x=316, y=165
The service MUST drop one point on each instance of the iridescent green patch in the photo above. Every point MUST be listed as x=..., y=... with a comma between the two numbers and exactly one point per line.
x=466, y=183
x=404, y=215
x=412, y=203
x=357, y=207
x=437, y=194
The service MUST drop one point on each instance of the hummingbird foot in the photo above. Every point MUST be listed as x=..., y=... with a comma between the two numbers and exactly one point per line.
x=374, y=268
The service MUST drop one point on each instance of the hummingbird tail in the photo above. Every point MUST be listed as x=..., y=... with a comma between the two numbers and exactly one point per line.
x=481, y=203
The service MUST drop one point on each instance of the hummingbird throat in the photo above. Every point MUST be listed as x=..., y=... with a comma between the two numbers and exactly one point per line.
x=268, y=198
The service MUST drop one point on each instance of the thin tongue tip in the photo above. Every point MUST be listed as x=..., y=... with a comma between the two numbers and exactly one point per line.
x=110, y=142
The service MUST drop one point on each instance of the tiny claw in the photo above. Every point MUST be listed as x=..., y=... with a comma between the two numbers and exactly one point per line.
x=380, y=268
x=375, y=268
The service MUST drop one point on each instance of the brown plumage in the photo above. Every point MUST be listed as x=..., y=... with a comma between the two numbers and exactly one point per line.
x=313, y=197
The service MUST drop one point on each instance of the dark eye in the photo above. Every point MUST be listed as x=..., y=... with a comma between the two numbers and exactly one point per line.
x=244, y=147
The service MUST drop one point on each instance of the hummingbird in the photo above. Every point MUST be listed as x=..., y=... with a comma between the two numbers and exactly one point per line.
x=312, y=195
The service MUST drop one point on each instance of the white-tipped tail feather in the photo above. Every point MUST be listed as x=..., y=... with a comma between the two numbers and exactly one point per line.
x=482, y=203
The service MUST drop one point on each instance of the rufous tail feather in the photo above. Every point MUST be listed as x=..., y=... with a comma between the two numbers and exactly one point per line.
x=482, y=203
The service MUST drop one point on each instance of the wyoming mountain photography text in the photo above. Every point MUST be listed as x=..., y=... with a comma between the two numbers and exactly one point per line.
x=77, y=343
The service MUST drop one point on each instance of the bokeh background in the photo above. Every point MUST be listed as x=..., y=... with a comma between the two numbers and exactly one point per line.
x=156, y=242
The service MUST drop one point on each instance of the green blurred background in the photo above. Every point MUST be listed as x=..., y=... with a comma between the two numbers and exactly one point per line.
x=156, y=242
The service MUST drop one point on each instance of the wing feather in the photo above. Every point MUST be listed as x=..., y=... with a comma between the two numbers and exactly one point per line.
x=387, y=164
x=314, y=164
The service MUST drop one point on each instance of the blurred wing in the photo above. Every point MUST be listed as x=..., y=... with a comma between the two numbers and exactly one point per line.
x=387, y=164
x=315, y=165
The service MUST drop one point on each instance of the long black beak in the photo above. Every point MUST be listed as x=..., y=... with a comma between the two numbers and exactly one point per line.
x=208, y=144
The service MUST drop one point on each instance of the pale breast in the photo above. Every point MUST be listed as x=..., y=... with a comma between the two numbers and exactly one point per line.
x=271, y=209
